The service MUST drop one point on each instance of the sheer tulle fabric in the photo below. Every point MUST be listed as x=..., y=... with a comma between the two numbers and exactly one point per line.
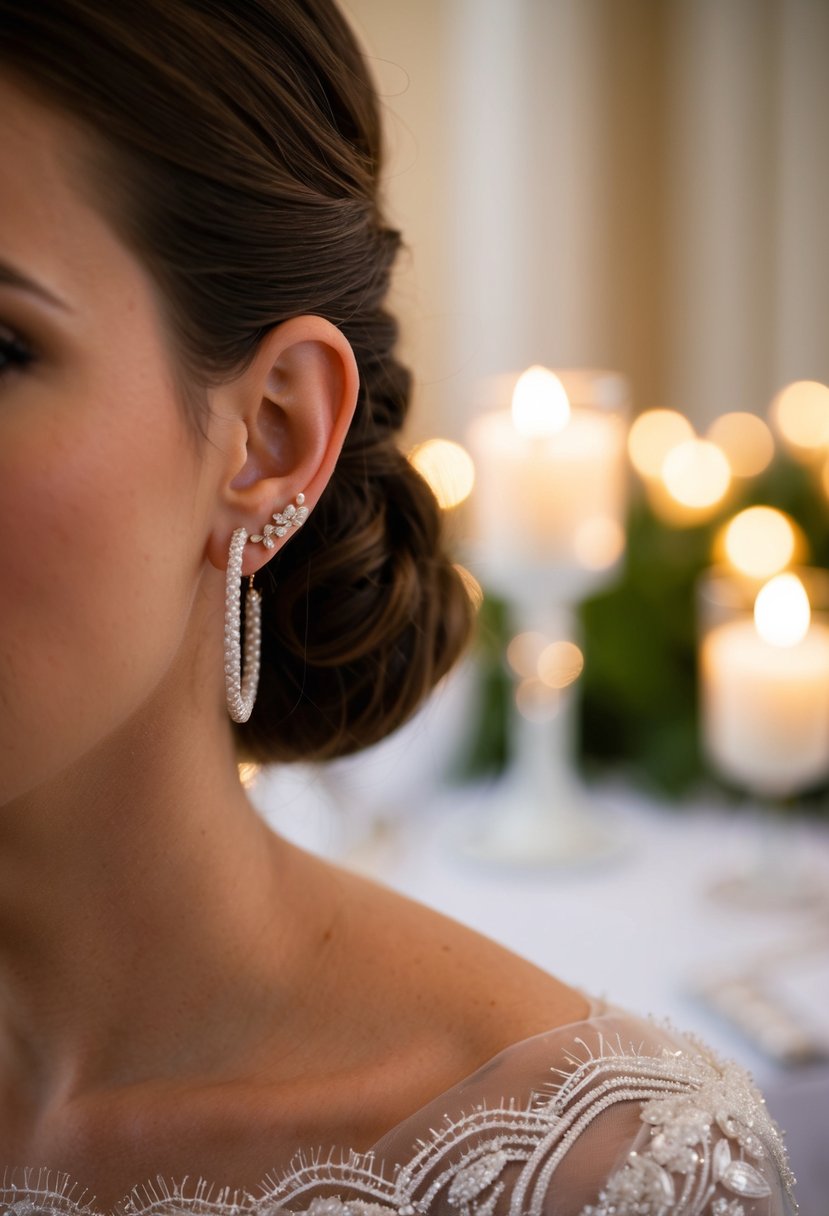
x=582, y=1099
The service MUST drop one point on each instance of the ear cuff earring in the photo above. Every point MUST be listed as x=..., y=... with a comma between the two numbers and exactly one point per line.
x=291, y=517
x=241, y=693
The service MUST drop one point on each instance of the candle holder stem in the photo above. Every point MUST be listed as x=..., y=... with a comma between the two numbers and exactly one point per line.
x=541, y=816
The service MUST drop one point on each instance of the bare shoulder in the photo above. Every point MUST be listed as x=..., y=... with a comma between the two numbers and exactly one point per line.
x=396, y=1004
x=453, y=976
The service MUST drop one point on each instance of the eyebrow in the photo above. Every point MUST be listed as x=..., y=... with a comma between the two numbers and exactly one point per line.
x=10, y=277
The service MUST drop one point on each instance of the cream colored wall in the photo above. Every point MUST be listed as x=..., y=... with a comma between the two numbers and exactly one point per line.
x=636, y=184
x=409, y=56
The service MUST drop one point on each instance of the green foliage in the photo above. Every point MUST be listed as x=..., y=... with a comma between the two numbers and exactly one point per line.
x=638, y=691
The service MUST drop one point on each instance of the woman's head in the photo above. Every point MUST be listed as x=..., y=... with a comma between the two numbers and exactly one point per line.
x=207, y=177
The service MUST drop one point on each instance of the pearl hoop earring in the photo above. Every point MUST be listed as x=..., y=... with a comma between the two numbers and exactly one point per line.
x=241, y=692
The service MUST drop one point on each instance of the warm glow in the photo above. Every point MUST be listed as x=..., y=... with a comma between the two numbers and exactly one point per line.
x=800, y=413
x=760, y=541
x=248, y=772
x=539, y=403
x=473, y=588
x=599, y=542
x=825, y=478
x=781, y=611
x=696, y=473
x=524, y=651
x=535, y=700
x=652, y=436
x=448, y=469
x=559, y=664
x=746, y=441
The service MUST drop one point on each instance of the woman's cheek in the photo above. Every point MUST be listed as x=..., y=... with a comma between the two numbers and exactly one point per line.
x=95, y=600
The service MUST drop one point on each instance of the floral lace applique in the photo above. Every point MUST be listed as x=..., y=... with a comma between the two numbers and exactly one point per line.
x=711, y=1146
x=709, y=1140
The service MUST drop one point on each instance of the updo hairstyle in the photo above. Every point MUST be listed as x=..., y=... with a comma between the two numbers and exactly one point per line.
x=237, y=152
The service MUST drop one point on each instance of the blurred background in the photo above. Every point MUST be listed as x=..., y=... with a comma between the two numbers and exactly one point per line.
x=627, y=780
x=633, y=184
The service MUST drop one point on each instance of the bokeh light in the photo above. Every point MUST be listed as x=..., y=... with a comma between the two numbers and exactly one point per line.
x=560, y=663
x=540, y=405
x=746, y=440
x=524, y=651
x=248, y=772
x=448, y=469
x=781, y=611
x=536, y=701
x=760, y=541
x=599, y=542
x=696, y=473
x=652, y=436
x=800, y=413
x=474, y=589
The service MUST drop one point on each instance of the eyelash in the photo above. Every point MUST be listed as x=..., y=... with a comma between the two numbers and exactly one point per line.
x=13, y=353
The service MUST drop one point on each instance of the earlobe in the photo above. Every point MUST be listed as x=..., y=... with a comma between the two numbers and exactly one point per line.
x=296, y=400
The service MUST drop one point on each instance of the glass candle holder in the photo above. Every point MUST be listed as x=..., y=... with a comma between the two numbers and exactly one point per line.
x=549, y=509
x=549, y=501
x=764, y=695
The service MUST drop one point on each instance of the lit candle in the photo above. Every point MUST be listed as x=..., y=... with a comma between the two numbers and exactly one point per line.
x=550, y=482
x=765, y=693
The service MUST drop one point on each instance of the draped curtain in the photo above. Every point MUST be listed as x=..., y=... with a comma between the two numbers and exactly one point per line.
x=636, y=184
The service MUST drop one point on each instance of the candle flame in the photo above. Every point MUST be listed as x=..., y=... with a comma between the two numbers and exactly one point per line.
x=539, y=403
x=782, y=612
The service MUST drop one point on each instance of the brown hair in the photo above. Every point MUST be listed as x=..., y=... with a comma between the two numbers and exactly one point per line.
x=238, y=153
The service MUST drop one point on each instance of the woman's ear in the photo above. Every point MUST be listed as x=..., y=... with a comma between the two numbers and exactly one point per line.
x=282, y=424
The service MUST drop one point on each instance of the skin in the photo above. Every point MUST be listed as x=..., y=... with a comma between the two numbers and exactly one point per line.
x=181, y=991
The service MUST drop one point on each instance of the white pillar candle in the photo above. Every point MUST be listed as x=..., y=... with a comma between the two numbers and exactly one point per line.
x=765, y=706
x=555, y=498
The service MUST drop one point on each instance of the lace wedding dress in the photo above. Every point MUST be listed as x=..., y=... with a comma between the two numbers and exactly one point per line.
x=615, y=1115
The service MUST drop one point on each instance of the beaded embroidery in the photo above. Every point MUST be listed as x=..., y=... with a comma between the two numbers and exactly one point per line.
x=711, y=1145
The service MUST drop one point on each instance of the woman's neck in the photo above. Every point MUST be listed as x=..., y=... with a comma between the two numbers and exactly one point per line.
x=143, y=916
